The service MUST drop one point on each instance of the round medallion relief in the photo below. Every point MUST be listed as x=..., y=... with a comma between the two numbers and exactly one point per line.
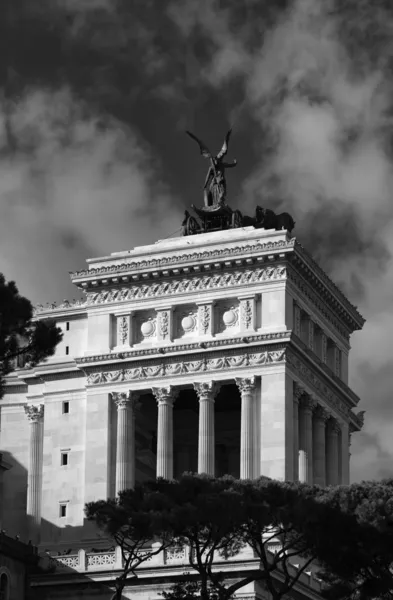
x=188, y=323
x=147, y=328
x=230, y=318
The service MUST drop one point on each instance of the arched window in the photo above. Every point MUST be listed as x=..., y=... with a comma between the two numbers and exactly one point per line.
x=4, y=587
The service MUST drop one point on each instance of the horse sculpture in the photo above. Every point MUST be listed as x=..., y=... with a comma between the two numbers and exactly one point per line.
x=267, y=219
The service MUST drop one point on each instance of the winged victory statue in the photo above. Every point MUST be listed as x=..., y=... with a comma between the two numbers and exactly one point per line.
x=215, y=184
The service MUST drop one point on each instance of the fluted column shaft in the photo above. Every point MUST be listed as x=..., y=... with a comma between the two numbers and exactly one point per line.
x=319, y=446
x=35, y=414
x=332, y=453
x=165, y=397
x=305, y=439
x=206, y=441
x=247, y=442
x=125, y=441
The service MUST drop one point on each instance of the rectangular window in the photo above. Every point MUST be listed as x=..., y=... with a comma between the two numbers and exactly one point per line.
x=64, y=459
x=63, y=510
x=66, y=408
x=67, y=349
x=68, y=326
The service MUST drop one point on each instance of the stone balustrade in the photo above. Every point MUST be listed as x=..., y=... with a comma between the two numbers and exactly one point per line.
x=177, y=556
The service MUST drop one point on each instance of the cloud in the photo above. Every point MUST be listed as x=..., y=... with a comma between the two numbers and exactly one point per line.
x=74, y=183
x=322, y=100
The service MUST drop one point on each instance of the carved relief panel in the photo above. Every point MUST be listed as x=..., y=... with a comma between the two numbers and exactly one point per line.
x=228, y=317
x=145, y=326
x=185, y=321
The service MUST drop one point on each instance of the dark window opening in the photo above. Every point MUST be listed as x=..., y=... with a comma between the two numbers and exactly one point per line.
x=66, y=407
x=63, y=510
x=67, y=349
x=68, y=326
x=64, y=459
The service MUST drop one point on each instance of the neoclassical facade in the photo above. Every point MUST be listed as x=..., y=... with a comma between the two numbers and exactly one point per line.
x=224, y=352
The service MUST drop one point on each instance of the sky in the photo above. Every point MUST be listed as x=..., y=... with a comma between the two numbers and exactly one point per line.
x=95, y=97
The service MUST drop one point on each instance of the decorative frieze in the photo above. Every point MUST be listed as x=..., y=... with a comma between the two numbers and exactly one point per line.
x=188, y=285
x=222, y=363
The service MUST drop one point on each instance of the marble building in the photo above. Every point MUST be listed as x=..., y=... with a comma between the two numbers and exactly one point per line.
x=224, y=352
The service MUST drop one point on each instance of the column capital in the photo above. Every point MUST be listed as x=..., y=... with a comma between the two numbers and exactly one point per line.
x=321, y=413
x=206, y=390
x=34, y=412
x=298, y=391
x=125, y=399
x=165, y=395
x=307, y=402
x=334, y=426
x=246, y=384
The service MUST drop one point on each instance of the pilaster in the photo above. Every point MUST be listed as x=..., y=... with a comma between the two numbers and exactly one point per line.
x=35, y=415
x=125, y=440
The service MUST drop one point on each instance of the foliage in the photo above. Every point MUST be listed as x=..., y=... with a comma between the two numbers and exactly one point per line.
x=346, y=532
x=20, y=336
x=133, y=520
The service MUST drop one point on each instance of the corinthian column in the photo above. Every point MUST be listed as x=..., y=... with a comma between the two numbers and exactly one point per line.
x=247, y=443
x=319, y=447
x=206, y=444
x=305, y=439
x=125, y=441
x=35, y=415
x=332, y=452
x=297, y=393
x=165, y=397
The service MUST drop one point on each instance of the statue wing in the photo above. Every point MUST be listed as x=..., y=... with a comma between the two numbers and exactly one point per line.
x=224, y=148
x=204, y=149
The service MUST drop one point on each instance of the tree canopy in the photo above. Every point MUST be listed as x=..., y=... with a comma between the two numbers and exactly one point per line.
x=20, y=335
x=344, y=532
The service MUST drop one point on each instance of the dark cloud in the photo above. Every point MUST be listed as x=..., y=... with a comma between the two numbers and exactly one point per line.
x=95, y=97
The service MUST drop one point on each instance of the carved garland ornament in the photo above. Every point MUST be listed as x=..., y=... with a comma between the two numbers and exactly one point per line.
x=196, y=284
x=185, y=367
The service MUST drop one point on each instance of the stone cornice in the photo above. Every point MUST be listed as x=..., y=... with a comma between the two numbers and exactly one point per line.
x=186, y=272
x=248, y=339
x=166, y=263
x=312, y=270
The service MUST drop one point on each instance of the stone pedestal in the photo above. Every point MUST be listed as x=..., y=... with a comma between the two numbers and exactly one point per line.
x=125, y=441
x=305, y=439
x=319, y=451
x=247, y=429
x=332, y=454
x=206, y=392
x=35, y=415
x=165, y=397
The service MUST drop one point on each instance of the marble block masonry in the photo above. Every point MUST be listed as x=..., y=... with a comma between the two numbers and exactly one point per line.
x=224, y=352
